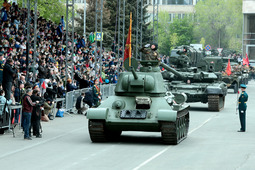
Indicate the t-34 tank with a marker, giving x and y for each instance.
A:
(141, 103)
(199, 86)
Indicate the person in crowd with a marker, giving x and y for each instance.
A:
(242, 108)
(4, 15)
(96, 94)
(27, 108)
(1, 67)
(60, 90)
(9, 74)
(48, 106)
(50, 92)
(4, 103)
(18, 94)
(70, 86)
(36, 113)
(80, 105)
(62, 21)
(82, 80)
(42, 72)
(7, 5)
(60, 93)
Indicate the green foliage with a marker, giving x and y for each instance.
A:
(49, 9)
(110, 24)
(218, 21)
(179, 32)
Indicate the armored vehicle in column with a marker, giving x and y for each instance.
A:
(199, 86)
(141, 103)
(239, 74)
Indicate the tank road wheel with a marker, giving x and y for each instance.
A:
(174, 132)
(97, 130)
(235, 88)
(215, 102)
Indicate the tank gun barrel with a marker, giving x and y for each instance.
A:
(134, 73)
(171, 70)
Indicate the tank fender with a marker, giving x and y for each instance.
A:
(167, 115)
(97, 113)
(214, 90)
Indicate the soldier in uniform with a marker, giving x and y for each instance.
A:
(96, 94)
(150, 52)
(242, 107)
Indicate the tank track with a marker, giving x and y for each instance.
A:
(174, 132)
(97, 130)
(215, 102)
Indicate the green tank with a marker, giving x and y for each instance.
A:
(199, 86)
(219, 64)
(141, 103)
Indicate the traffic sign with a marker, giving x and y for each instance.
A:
(207, 47)
(99, 36)
(219, 50)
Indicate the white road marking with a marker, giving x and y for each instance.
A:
(164, 150)
(39, 143)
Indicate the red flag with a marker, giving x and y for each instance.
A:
(246, 60)
(127, 53)
(228, 70)
(100, 80)
(43, 85)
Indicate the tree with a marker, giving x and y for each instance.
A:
(49, 9)
(218, 21)
(179, 32)
(90, 20)
(110, 24)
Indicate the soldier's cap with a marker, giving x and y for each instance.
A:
(243, 86)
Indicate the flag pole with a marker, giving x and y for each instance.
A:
(130, 37)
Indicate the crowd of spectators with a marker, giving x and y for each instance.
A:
(23, 69)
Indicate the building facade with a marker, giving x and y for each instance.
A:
(249, 28)
(175, 8)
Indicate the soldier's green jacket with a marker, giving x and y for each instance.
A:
(149, 54)
(242, 101)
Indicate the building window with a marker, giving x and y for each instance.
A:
(179, 16)
(180, 2)
(164, 2)
(170, 17)
(171, 2)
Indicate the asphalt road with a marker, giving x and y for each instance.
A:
(213, 143)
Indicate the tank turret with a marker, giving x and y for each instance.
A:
(193, 76)
(141, 103)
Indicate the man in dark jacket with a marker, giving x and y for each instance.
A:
(27, 108)
(9, 74)
(80, 105)
(50, 92)
(36, 113)
(42, 72)
(83, 82)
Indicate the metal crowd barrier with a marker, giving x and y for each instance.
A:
(71, 97)
(107, 90)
